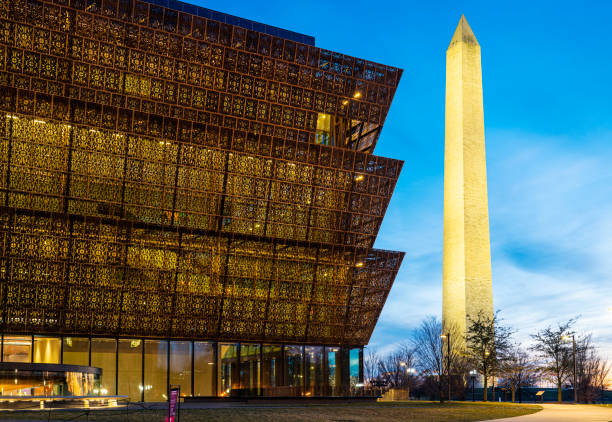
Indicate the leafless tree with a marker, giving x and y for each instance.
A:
(487, 342)
(592, 371)
(517, 369)
(555, 352)
(395, 367)
(370, 366)
(428, 352)
(433, 355)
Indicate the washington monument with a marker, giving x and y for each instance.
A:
(467, 287)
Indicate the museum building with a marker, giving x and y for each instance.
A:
(186, 198)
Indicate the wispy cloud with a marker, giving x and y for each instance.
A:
(550, 206)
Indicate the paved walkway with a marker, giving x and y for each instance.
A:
(566, 413)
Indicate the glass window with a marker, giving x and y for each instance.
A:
(103, 356)
(293, 370)
(338, 371)
(228, 379)
(250, 363)
(129, 378)
(331, 371)
(180, 366)
(47, 349)
(354, 378)
(323, 133)
(315, 369)
(76, 351)
(272, 375)
(156, 370)
(17, 349)
(204, 368)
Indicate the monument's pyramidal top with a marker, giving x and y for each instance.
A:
(463, 33)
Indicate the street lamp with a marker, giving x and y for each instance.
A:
(410, 372)
(484, 374)
(566, 338)
(448, 362)
(473, 376)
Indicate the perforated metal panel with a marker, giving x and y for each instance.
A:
(164, 181)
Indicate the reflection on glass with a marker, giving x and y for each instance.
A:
(17, 349)
(48, 383)
(228, 378)
(293, 370)
(250, 381)
(47, 349)
(103, 355)
(315, 369)
(76, 351)
(337, 367)
(354, 368)
(272, 376)
(204, 368)
(331, 370)
(180, 365)
(156, 370)
(130, 369)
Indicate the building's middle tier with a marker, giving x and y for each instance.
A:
(205, 178)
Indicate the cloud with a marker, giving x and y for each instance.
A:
(550, 207)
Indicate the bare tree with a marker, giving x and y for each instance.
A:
(555, 353)
(517, 369)
(592, 371)
(394, 367)
(370, 366)
(487, 342)
(428, 351)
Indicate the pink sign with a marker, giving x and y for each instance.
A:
(173, 399)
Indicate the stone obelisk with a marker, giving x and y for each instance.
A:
(467, 286)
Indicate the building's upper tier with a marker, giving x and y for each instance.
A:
(152, 58)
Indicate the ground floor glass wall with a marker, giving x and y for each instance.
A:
(142, 369)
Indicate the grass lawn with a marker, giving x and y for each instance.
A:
(394, 411)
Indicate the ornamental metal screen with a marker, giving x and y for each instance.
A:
(161, 175)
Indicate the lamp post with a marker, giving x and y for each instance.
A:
(574, 358)
(484, 375)
(448, 362)
(473, 376)
(410, 372)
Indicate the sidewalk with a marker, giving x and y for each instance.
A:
(566, 413)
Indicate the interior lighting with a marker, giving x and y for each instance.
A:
(39, 121)
(359, 264)
(10, 116)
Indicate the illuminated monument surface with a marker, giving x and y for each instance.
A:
(467, 285)
(188, 197)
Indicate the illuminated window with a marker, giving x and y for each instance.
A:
(17, 349)
(47, 349)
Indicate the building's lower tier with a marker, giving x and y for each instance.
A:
(143, 368)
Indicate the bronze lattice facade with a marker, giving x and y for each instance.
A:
(166, 175)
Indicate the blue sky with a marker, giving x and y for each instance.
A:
(547, 68)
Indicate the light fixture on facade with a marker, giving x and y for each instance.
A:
(357, 94)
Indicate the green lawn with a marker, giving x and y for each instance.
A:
(393, 411)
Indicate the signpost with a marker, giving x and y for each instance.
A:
(174, 400)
